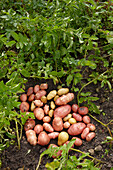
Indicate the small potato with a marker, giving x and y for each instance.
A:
(31, 97)
(56, 97)
(23, 97)
(76, 128)
(63, 91)
(78, 141)
(52, 105)
(29, 91)
(44, 86)
(83, 110)
(75, 108)
(67, 117)
(38, 103)
(53, 135)
(29, 124)
(36, 88)
(46, 109)
(90, 136)
(66, 125)
(51, 112)
(44, 99)
(91, 126)
(57, 124)
(51, 94)
(39, 113)
(72, 121)
(43, 138)
(33, 106)
(64, 99)
(24, 107)
(31, 137)
(86, 119)
(77, 117)
(62, 138)
(85, 133)
(46, 119)
(39, 94)
(48, 127)
(38, 128)
(62, 111)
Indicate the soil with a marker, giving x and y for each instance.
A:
(28, 156)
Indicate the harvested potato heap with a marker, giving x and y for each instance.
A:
(60, 119)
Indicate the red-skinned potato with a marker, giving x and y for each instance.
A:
(43, 138)
(58, 153)
(46, 109)
(23, 97)
(66, 125)
(77, 117)
(83, 110)
(36, 88)
(38, 103)
(38, 128)
(64, 99)
(29, 91)
(31, 97)
(91, 126)
(39, 113)
(39, 94)
(76, 129)
(48, 127)
(29, 124)
(75, 108)
(85, 133)
(31, 137)
(46, 119)
(78, 141)
(24, 107)
(44, 86)
(53, 135)
(62, 111)
(90, 136)
(57, 124)
(86, 119)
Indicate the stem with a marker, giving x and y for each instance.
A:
(18, 139)
(39, 162)
(76, 150)
(88, 84)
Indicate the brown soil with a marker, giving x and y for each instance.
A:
(28, 156)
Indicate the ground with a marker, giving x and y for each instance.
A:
(27, 157)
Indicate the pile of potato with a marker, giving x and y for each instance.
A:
(60, 119)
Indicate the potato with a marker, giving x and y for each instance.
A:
(90, 136)
(86, 119)
(62, 111)
(31, 137)
(29, 91)
(85, 133)
(23, 97)
(76, 128)
(51, 113)
(53, 135)
(29, 124)
(57, 124)
(51, 94)
(36, 88)
(24, 107)
(38, 103)
(91, 126)
(31, 97)
(75, 108)
(63, 91)
(44, 86)
(39, 94)
(38, 128)
(48, 127)
(33, 106)
(52, 105)
(77, 117)
(83, 110)
(43, 138)
(44, 99)
(78, 141)
(46, 109)
(62, 138)
(67, 117)
(39, 113)
(72, 121)
(56, 97)
(64, 99)
(66, 125)
(46, 119)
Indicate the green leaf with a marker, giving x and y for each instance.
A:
(25, 73)
(15, 36)
(69, 79)
(85, 94)
(52, 165)
(10, 43)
